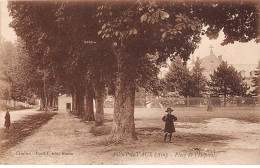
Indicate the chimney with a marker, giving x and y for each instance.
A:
(220, 57)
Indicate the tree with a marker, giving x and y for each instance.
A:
(161, 87)
(37, 63)
(6, 52)
(131, 30)
(256, 81)
(135, 29)
(170, 29)
(30, 77)
(9, 67)
(227, 81)
(16, 72)
(198, 79)
(67, 48)
(179, 78)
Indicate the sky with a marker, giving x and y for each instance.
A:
(6, 31)
(237, 53)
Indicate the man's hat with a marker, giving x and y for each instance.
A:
(169, 109)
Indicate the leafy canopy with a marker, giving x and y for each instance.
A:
(227, 81)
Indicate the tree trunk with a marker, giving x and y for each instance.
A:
(210, 108)
(74, 103)
(123, 128)
(55, 101)
(80, 102)
(187, 101)
(42, 103)
(123, 123)
(225, 101)
(48, 101)
(225, 96)
(89, 112)
(100, 98)
(51, 100)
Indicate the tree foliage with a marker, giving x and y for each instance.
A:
(7, 51)
(227, 81)
(123, 42)
(256, 81)
(179, 78)
(187, 83)
(198, 79)
(10, 73)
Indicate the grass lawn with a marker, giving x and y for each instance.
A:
(196, 115)
(153, 117)
(149, 124)
(192, 131)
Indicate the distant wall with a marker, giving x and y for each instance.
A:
(62, 102)
(13, 105)
(154, 102)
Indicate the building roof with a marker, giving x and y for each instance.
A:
(210, 63)
(210, 58)
(247, 68)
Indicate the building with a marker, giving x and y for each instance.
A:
(247, 71)
(64, 103)
(209, 63)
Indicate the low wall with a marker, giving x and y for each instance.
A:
(189, 102)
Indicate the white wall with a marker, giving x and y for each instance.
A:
(62, 102)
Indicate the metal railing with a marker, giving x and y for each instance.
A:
(153, 102)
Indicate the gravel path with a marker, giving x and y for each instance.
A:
(65, 139)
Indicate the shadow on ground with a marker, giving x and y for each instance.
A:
(148, 135)
(152, 134)
(19, 130)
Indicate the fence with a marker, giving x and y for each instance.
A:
(4, 104)
(154, 102)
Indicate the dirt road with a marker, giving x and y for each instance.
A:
(67, 140)
(16, 115)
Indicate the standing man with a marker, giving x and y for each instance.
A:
(169, 125)
(7, 120)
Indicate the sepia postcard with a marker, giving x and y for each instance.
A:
(134, 82)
